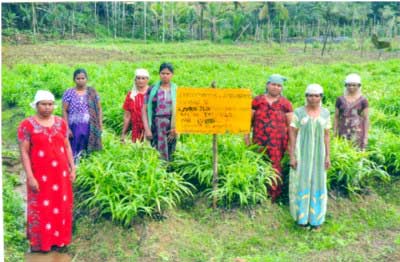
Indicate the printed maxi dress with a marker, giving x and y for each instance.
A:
(78, 120)
(270, 130)
(161, 123)
(307, 184)
(49, 210)
(351, 123)
(134, 106)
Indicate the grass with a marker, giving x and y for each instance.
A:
(267, 233)
(14, 219)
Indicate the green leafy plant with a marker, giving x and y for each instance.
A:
(15, 242)
(351, 169)
(243, 172)
(125, 181)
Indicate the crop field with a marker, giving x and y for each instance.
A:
(131, 206)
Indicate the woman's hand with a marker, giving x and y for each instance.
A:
(69, 133)
(72, 175)
(293, 162)
(247, 140)
(123, 138)
(33, 184)
(148, 135)
(171, 135)
(327, 162)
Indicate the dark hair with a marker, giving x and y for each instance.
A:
(80, 71)
(168, 66)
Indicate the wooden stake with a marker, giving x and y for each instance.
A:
(215, 163)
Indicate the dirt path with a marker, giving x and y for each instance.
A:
(70, 55)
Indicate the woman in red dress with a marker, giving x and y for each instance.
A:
(49, 166)
(133, 106)
(271, 116)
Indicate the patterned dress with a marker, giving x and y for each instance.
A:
(351, 124)
(50, 209)
(270, 131)
(78, 120)
(161, 123)
(135, 108)
(307, 184)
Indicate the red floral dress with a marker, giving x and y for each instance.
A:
(50, 209)
(270, 130)
(135, 108)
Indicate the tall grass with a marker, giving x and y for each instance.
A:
(15, 243)
(125, 181)
(385, 150)
(352, 170)
(243, 172)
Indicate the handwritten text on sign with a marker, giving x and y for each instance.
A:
(213, 111)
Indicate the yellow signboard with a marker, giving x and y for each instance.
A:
(213, 111)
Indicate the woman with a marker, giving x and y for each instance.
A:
(82, 112)
(271, 115)
(309, 160)
(159, 115)
(351, 115)
(49, 166)
(133, 106)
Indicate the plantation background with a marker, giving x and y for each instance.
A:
(128, 207)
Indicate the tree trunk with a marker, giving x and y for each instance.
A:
(108, 19)
(243, 30)
(201, 22)
(133, 23)
(73, 20)
(95, 19)
(123, 19)
(144, 21)
(325, 38)
(114, 14)
(34, 19)
(172, 22)
(163, 22)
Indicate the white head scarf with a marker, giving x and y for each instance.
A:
(314, 89)
(138, 72)
(353, 79)
(42, 95)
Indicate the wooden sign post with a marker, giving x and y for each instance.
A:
(213, 111)
(215, 162)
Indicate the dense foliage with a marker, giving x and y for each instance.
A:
(243, 172)
(124, 181)
(216, 21)
(14, 220)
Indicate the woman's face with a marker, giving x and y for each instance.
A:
(274, 89)
(352, 87)
(45, 108)
(314, 99)
(165, 75)
(80, 80)
(141, 81)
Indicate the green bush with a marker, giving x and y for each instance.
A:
(352, 170)
(243, 172)
(385, 150)
(15, 243)
(125, 181)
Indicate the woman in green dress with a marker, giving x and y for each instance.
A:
(309, 160)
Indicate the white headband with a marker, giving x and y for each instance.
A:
(40, 96)
(142, 72)
(315, 89)
(353, 78)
